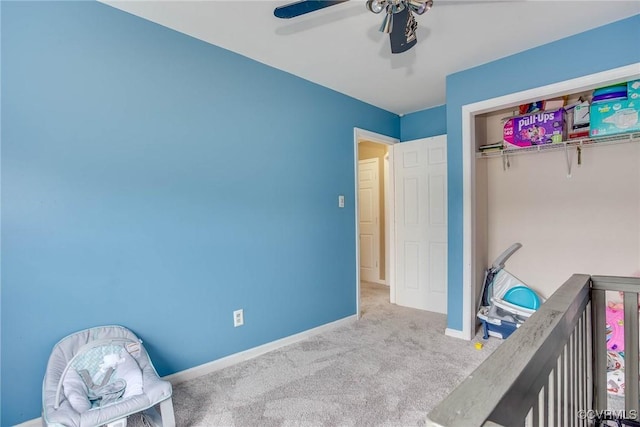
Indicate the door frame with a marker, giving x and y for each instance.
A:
(376, 240)
(470, 265)
(365, 135)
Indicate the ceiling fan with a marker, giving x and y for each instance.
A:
(398, 22)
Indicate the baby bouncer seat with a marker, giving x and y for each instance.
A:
(506, 302)
(100, 376)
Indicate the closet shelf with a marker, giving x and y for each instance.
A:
(583, 142)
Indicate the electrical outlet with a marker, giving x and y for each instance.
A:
(238, 318)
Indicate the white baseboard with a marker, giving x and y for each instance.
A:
(198, 371)
(454, 333)
(36, 422)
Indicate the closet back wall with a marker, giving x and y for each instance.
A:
(587, 223)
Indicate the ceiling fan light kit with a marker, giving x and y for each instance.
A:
(375, 6)
(402, 38)
(420, 7)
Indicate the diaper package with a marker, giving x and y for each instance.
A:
(615, 117)
(543, 127)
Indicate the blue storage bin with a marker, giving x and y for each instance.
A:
(496, 328)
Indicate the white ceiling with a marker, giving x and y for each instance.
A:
(340, 47)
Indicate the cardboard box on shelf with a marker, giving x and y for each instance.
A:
(581, 115)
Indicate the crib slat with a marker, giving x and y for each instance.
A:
(598, 304)
(586, 362)
(547, 404)
(569, 385)
(631, 348)
(564, 412)
(535, 412)
(572, 376)
(589, 359)
(556, 397)
(580, 367)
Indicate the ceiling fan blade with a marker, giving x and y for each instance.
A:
(301, 7)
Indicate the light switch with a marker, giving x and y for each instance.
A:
(341, 201)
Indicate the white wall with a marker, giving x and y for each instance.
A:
(589, 223)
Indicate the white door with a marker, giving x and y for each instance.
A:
(369, 213)
(420, 168)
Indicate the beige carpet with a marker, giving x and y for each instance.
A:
(389, 368)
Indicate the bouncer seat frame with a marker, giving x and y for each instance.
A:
(506, 302)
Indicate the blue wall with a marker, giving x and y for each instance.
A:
(155, 181)
(586, 53)
(424, 123)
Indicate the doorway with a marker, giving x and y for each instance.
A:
(367, 146)
(414, 189)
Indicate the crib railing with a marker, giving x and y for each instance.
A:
(546, 372)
